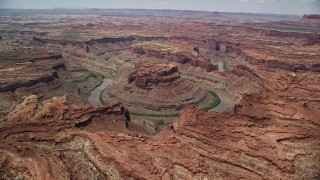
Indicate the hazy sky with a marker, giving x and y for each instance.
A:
(256, 6)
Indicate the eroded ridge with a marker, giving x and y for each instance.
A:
(149, 73)
(176, 51)
(59, 140)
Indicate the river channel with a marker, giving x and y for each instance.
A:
(94, 97)
(227, 100)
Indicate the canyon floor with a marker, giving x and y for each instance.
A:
(159, 95)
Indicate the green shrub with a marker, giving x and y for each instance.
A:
(102, 100)
(226, 65)
(213, 104)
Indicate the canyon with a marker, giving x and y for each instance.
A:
(177, 95)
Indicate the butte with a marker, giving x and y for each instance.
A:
(157, 89)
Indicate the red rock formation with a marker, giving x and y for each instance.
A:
(176, 51)
(81, 45)
(275, 58)
(47, 71)
(58, 140)
(313, 18)
(147, 72)
(158, 89)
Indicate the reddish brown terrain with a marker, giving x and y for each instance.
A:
(174, 51)
(189, 98)
(157, 88)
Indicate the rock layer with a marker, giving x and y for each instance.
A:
(63, 141)
(157, 88)
(176, 51)
(149, 73)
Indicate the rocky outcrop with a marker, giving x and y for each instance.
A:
(58, 110)
(311, 18)
(60, 42)
(15, 54)
(147, 73)
(70, 141)
(282, 62)
(14, 86)
(233, 49)
(112, 40)
(209, 43)
(56, 57)
(273, 33)
(20, 34)
(283, 65)
(253, 139)
(46, 72)
(23, 32)
(157, 89)
(181, 52)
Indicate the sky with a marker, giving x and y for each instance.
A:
(298, 7)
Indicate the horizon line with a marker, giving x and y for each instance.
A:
(239, 12)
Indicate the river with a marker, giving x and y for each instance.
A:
(94, 97)
(227, 101)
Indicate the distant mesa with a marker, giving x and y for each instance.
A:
(311, 16)
(315, 18)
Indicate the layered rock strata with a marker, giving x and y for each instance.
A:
(157, 88)
(313, 18)
(27, 77)
(148, 73)
(176, 51)
(59, 140)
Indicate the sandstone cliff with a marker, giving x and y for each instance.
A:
(157, 89)
(59, 140)
(176, 51)
(147, 72)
